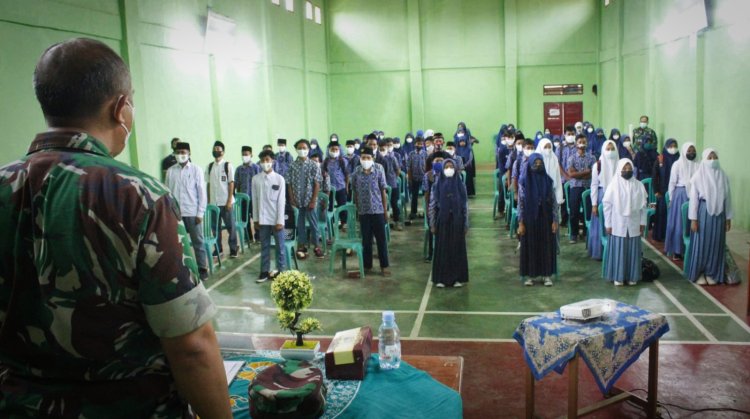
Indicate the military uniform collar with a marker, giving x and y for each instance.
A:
(68, 139)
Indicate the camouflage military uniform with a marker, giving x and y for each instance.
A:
(95, 267)
(639, 134)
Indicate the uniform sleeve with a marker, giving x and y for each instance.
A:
(175, 302)
(202, 197)
(594, 185)
(673, 179)
(230, 169)
(432, 208)
(693, 203)
(281, 202)
(607, 208)
(255, 186)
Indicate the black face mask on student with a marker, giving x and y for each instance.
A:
(690, 156)
(537, 168)
(627, 174)
(216, 154)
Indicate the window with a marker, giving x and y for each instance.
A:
(276, 2)
(308, 10)
(289, 5)
(318, 15)
(563, 89)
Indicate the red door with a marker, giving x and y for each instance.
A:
(558, 115)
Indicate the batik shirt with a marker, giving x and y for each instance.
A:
(338, 172)
(390, 164)
(416, 164)
(282, 163)
(580, 163)
(96, 268)
(301, 178)
(243, 178)
(368, 189)
(352, 162)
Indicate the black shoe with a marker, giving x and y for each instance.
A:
(263, 277)
(233, 255)
(203, 274)
(427, 260)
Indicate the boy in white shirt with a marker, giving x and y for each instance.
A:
(269, 192)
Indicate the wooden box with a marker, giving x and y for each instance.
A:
(348, 354)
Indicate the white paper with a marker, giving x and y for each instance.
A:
(232, 368)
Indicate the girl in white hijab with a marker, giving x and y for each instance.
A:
(679, 186)
(602, 174)
(551, 165)
(710, 214)
(624, 206)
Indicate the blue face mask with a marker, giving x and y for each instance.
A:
(437, 167)
(648, 146)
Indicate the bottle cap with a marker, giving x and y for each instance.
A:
(388, 316)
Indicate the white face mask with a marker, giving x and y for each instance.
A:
(460, 136)
(350, 150)
(127, 131)
(356, 146)
(644, 124)
(390, 148)
(266, 166)
(335, 154)
(367, 164)
(547, 151)
(714, 164)
(519, 148)
(282, 148)
(397, 146)
(570, 139)
(334, 139)
(556, 144)
(616, 137)
(449, 172)
(626, 143)
(303, 152)
(527, 153)
(590, 130)
(430, 148)
(247, 159)
(509, 142)
(612, 154)
(451, 152)
(409, 139)
(672, 150)
(313, 146)
(182, 158)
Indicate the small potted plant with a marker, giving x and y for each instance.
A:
(292, 292)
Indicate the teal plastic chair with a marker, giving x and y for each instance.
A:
(425, 242)
(685, 237)
(650, 212)
(241, 218)
(329, 214)
(566, 188)
(586, 212)
(666, 199)
(322, 211)
(210, 242)
(351, 241)
(403, 190)
(513, 216)
(508, 199)
(496, 194)
(388, 192)
(290, 243)
(605, 239)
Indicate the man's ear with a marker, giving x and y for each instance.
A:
(118, 110)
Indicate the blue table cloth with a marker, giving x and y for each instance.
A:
(608, 345)
(405, 392)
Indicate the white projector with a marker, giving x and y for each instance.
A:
(586, 310)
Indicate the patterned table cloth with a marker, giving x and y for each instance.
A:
(405, 392)
(608, 345)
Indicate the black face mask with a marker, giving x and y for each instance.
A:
(216, 154)
(537, 169)
(690, 156)
(627, 174)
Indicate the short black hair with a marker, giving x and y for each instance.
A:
(75, 78)
(570, 128)
(528, 141)
(371, 137)
(579, 136)
(266, 153)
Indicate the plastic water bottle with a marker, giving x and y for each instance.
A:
(389, 342)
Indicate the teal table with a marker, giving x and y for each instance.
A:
(406, 392)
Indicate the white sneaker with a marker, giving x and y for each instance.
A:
(701, 280)
(618, 283)
(547, 281)
(529, 282)
(458, 285)
(710, 280)
(631, 283)
(440, 285)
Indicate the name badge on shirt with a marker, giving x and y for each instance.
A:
(223, 178)
(275, 187)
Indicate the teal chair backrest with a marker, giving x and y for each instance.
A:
(323, 207)
(351, 220)
(586, 196)
(685, 221)
(241, 216)
(649, 184)
(210, 223)
(496, 179)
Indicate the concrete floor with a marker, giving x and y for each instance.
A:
(706, 351)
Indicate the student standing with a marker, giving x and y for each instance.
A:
(465, 152)
(283, 158)
(220, 175)
(537, 222)
(169, 160)
(268, 213)
(567, 149)
(415, 175)
(579, 171)
(679, 187)
(449, 222)
(710, 213)
(303, 184)
(660, 182)
(368, 187)
(392, 171)
(624, 207)
(315, 150)
(433, 168)
(243, 180)
(602, 174)
(335, 166)
(185, 180)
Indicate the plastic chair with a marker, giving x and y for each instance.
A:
(241, 218)
(322, 211)
(586, 213)
(566, 188)
(508, 198)
(290, 243)
(403, 189)
(513, 216)
(425, 242)
(351, 241)
(388, 192)
(650, 212)
(496, 194)
(685, 237)
(210, 226)
(605, 238)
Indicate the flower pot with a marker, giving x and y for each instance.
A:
(306, 352)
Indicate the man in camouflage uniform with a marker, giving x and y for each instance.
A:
(101, 311)
(641, 133)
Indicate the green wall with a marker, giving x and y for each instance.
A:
(692, 85)
(270, 82)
